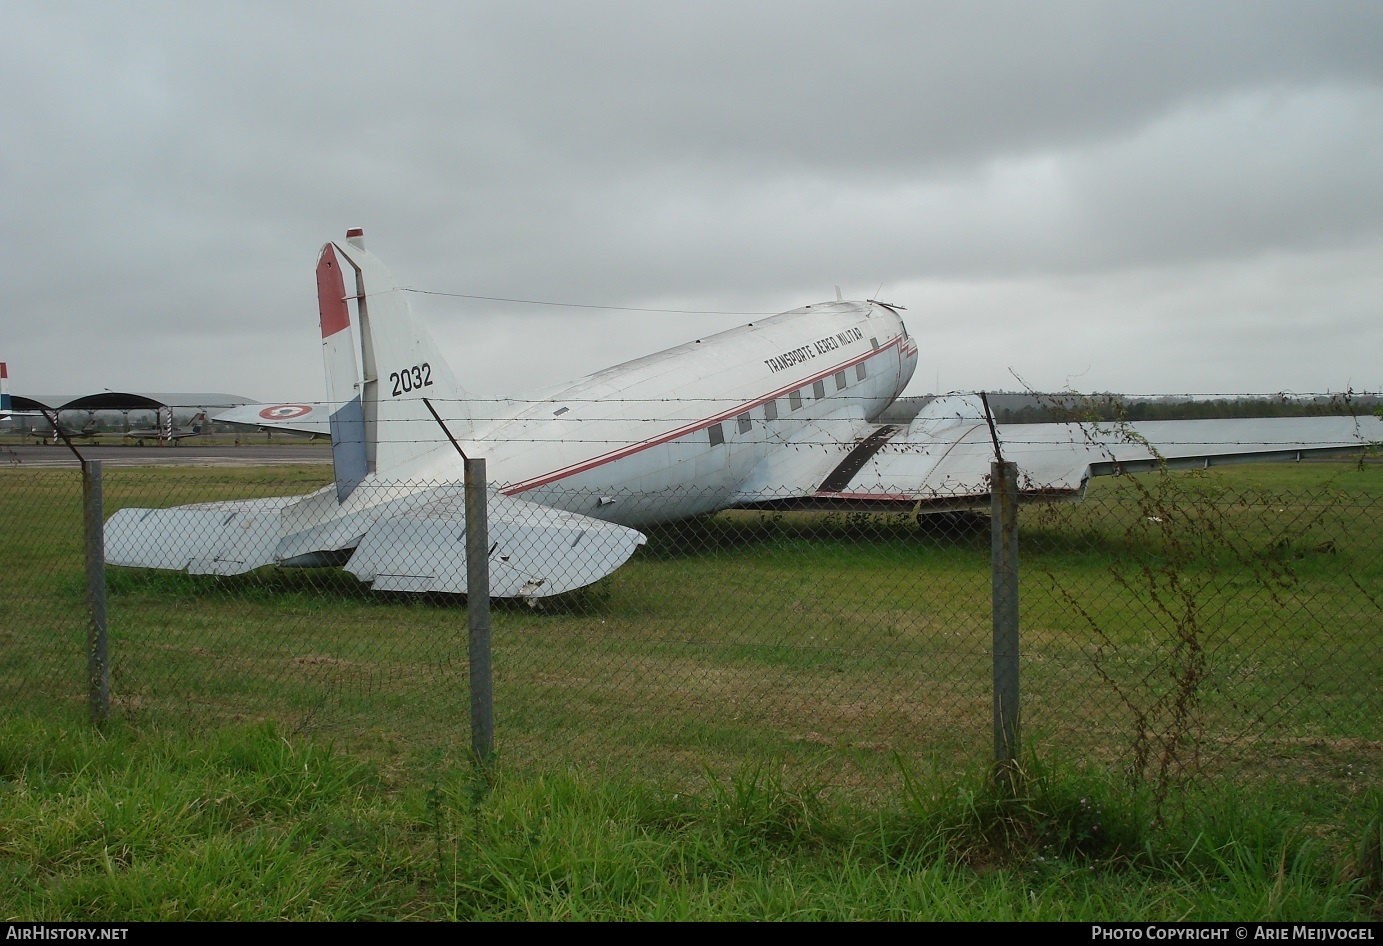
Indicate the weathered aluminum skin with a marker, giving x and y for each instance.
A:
(777, 412)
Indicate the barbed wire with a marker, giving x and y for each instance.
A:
(577, 305)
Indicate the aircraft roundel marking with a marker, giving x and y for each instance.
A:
(285, 411)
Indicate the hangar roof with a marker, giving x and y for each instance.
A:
(126, 400)
(19, 402)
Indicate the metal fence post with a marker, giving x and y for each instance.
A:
(1004, 561)
(97, 659)
(478, 613)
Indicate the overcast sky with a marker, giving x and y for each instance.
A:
(1138, 197)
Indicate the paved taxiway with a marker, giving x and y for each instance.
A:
(28, 456)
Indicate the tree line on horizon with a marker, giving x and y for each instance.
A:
(1041, 409)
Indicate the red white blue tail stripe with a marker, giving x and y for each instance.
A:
(348, 447)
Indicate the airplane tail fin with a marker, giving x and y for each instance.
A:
(380, 364)
(4, 392)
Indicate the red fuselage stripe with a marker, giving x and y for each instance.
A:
(693, 427)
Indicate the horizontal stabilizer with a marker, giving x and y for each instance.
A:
(535, 551)
(299, 418)
(411, 540)
(208, 539)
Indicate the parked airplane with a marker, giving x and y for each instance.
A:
(775, 413)
(87, 431)
(163, 430)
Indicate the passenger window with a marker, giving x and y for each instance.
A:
(819, 389)
(745, 422)
(771, 410)
(840, 380)
(859, 371)
(717, 434)
(795, 400)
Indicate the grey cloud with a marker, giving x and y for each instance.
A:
(171, 169)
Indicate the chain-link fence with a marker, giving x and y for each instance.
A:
(1169, 624)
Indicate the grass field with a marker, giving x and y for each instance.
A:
(1217, 634)
(1237, 612)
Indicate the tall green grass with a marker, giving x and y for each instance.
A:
(250, 824)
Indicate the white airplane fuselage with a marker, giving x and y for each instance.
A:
(777, 411)
(571, 475)
(677, 433)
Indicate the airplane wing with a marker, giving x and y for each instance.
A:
(300, 418)
(411, 540)
(384, 372)
(941, 460)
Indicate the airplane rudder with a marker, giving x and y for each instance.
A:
(405, 363)
(349, 450)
